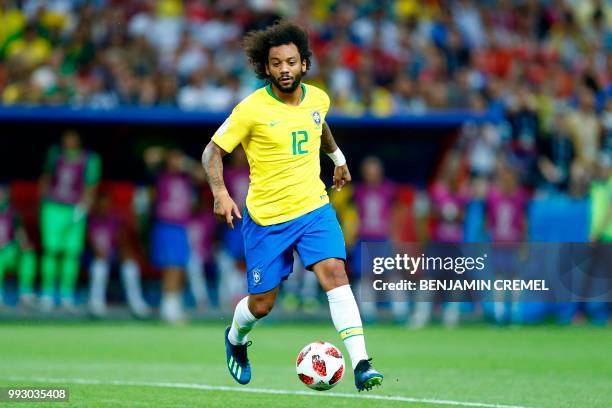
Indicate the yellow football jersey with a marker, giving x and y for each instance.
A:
(282, 145)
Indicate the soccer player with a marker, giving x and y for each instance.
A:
(374, 199)
(170, 243)
(15, 250)
(282, 129)
(70, 177)
(201, 233)
(448, 199)
(506, 210)
(107, 237)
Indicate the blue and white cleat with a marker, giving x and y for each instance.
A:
(366, 376)
(237, 360)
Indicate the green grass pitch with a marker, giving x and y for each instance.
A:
(149, 364)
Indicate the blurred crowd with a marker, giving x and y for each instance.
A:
(383, 57)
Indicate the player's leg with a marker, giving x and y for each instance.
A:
(131, 279)
(195, 278)
(53, 219)
(424, 299)
(98, 282)
(74, 241)
(27, 272)
(171, 309)
(346, 318)
(8, 256)
(248, 311)
(269, 259)
(322, 249)
(170, 252)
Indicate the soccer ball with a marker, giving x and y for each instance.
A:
(320, 366)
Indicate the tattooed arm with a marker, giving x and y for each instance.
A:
(224, 207)
(329, 146)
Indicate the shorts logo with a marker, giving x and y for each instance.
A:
(256, 276)
(316, 116)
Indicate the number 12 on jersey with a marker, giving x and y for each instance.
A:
(299, 138)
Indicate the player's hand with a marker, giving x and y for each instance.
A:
(342, 175)
(225, 208)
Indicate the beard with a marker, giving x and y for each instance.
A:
(287, 89)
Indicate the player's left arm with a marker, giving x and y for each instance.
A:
(342, 175)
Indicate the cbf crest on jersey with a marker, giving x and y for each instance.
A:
(256, 276)
(316, 116)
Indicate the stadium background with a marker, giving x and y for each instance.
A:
(454, 94)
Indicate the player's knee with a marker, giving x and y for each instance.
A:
(261, 307)
(334, 273)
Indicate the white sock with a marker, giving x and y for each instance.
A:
(99, 280)
(171, 308)
(242, 324)
(345, 315)
(130, 274)
(195, 277)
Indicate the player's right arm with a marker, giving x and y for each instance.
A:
(224, 206)
(235, 128)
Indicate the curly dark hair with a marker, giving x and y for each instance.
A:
(257, 44)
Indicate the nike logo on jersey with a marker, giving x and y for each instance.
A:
(274, 123)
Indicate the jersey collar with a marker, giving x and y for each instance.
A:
(269, 90)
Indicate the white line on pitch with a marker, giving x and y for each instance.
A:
(206, 387)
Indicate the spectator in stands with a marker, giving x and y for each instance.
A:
(525, 125)
(362, 51)
(557, 156)
(585, 130)
(32, 49)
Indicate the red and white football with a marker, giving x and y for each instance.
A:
(320, 366)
